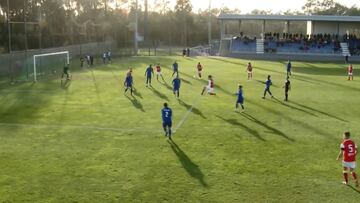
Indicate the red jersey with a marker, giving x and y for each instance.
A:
(158, 69)
(211, 83)
(199, 67)
(249, 68)
(350, 69)
(349, 149)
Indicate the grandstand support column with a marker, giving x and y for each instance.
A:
(287, 26)
(209, 23)
(263, 29)
(222, 29)
(136, 29)
(239, 27)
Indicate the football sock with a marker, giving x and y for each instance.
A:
(345, 176)
(354, 175)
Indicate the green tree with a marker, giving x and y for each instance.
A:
(183, 10)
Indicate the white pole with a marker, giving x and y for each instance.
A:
(35, 69)
(68, 58)
(136, 29)
(209, 23)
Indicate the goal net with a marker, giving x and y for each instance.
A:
(49, 64)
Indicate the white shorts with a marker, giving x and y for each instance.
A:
(209, 89)
(158, 73)
(249, 72)
(199, 71)
(350, 74)
(349, 164)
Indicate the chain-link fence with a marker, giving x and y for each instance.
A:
(19, 66)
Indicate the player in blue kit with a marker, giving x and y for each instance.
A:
(175, 68)
(268, 83)
(129, 83)
(166, 114)
(240, 99)
(288, 69)
(176, 84)
(149, 73)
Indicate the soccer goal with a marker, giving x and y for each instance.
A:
(49, 64)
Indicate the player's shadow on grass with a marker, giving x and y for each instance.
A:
(136, 103)
(65, 85)
(273, 130)
(293, 107)
(234, 122)
(318, 111)
(191, 168)
(159, 94)
(137, 93)
(192, 108)
(355, 189)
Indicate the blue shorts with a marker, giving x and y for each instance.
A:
(176, 89)
(240, 101)
(167, 124)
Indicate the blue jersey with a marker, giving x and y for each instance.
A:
(129, 80)
(289, 66)
(166, 114)
(240, 95)
(268, 83)
(176, 83)
(148, 72)
(175, 67)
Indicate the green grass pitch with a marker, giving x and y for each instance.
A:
(88, 142)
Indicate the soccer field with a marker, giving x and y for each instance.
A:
(88, 142)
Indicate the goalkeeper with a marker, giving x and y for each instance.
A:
(66, 72)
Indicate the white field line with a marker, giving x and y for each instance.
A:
(186, 115)
(83, 127)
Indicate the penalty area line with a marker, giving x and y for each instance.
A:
(185, 117)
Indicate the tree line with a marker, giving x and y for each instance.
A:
(52, 23)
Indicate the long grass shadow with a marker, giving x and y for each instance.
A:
(292, 107)
(318, 111)
(273, 130)
(159, 94)
(318, 131)
(185, 81)
(136, 103)
(165, 84)
(191, 168)
(234, 122)
(193, 109)
(97, 89)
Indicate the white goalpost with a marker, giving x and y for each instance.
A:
(35, 57)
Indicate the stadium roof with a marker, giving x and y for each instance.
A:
(290, 17)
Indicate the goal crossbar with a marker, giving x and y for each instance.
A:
(49, 54)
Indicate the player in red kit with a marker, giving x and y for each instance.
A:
(249, 70)
(350, 72)
(199, 69)
(158, 72)
(348, 150)
(209, 87)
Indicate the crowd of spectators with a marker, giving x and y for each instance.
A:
(353, 43)
(304, 42)
(330, 42)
